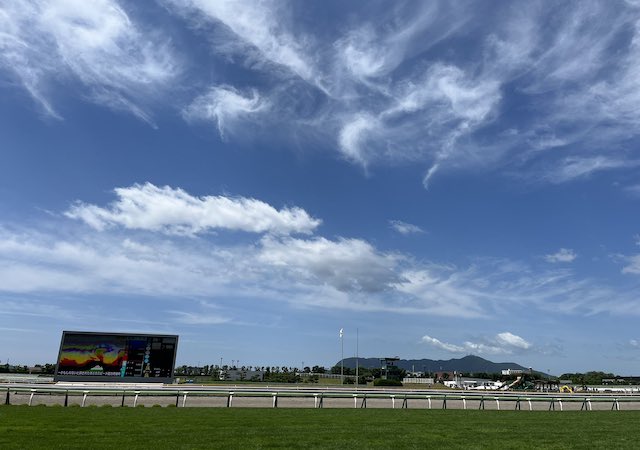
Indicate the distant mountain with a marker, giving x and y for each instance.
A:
(467, 364)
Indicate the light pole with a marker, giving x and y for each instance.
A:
(341, 356)
(357, 360)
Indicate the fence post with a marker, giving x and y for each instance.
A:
(355, 400)
(530, 407)
(123, 394)
(177, 398)
(444, 402)
(497, 403)
(481, 405)
(429, 400)
(84, 397)
(393, 401)
(364, 401)
(275, 399)
(184, 399)
(7, 400)
(405, 404)
(33, 391)
(135, 399)
(615, 405)
(66, 398)
(464, 403)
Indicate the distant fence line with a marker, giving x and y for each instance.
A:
(127, 396)
(332, 376)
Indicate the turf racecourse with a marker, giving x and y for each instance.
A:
(23, 427)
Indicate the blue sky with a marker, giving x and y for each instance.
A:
(448, 178)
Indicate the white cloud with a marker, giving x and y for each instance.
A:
(582, 167)
(633, 265)
(225, 106)
(432, 83)
(503, 343)
(564, 255)
(119, 65)
(633, 190)
(428, 84)
(258, 24)
(405, 228)
(375, 49)
(354, 134)
(191, 318)
(442, 345)
(347, 264)
(511, 340)
(312, 272)
(345, 274)
(430, 173)
(174, 211)
(443, 291)
(423, 118)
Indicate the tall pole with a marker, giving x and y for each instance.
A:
(341, 356)
(357, 363)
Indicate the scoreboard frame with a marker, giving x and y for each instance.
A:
(102, 343)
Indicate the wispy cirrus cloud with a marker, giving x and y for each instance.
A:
(259, 25)
(436, 84)
(442, 85)
(197, 318)
(543, 94)
(226, 107)
(577, 167)
(632, 265)
(633, 190)
(564, 255)
(404, 227)
(118, 64)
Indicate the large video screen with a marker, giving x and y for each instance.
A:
(86, 356)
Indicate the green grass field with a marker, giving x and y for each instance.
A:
(23, 427)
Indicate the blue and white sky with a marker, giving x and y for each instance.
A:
(447, 178)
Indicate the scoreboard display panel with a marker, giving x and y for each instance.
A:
(109, 357)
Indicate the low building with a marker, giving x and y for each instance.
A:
(512, 372)
(418, 380)
(241, 375)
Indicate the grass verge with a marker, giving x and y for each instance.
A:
(193, 428)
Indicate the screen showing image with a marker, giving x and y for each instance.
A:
(116, 356)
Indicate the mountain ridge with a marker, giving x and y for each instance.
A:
(469, 364)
